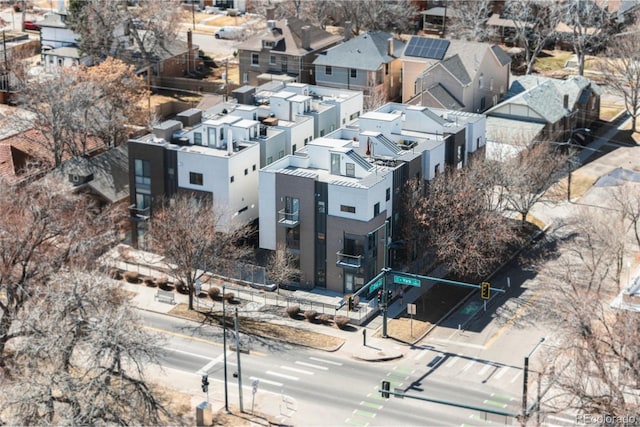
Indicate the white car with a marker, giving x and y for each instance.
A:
(230, 33)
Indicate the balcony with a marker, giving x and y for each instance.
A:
(348, 261)
(288, 219)
(141, 214)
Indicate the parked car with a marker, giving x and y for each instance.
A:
(230, 33)
(31, 25)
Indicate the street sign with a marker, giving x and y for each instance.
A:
(375, 285)
(401, 280)
(411, 309)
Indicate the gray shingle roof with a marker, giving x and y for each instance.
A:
(368, 51)
(455, 66)
(442, 95)
(502, 56)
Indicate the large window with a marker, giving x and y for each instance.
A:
(195, 178)
(255, 59)
(272, 59)
(328, 70)
(292, 208)
(349, 209)
(350, 169)
(143, 173)
(354, 73)
(284, 65)
(197, 138)
(335, 164)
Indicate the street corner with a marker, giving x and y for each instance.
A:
(374, 354)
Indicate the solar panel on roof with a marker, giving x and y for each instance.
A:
(425, 47)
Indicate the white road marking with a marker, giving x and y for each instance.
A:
(262, 380)
(276, 374)
(468, 365)
(452, 362)
(515, 377)
(186, 352)
(484, 369)
(205, 369)
(501, 372)
(422, 354)
(310, 365)
(331, 362)
(300, 371)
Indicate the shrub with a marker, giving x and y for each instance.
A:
(228, 296)
(341, 321)
(114, 273)
(310, 315)
(149, 281)
(324, 318)
(293, 311)
(162, 282)
(182, 287)
(132, 276)
(214, 292)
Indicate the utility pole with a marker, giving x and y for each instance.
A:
(525, 380)
(224, 351)
(238, 361)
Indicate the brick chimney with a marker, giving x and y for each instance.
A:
(271, 13)
(190, 60)
(390, 46)
(347, 30)
(306, 37)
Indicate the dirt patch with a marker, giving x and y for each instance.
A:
(264, 329)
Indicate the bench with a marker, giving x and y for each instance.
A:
(165, 296)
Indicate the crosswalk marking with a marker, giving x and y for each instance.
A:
(468, 365)
(262, 380)
(422, 354)
(311, 365)
(356, 422)
(300, 371)
(330, 362)
(501, 372)
(484, 369)
(371, 405)
(276, 374)
(453, 361)
(515, 377)
(362, 413)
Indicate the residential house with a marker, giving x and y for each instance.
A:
(176, 58)
(543, 109)
(284, 51)
(214, 155)
(454, 74)
(369, 63)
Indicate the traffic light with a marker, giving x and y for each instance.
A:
(205, 383)
(349, 303)
(485, 290)
(385, 389)
(379, 297)
(389, 295)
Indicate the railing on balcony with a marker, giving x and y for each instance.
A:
(348, 261)
(288, 219)
(139, 213)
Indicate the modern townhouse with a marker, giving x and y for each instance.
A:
(324, 204)
(211, 155)
(330, 108)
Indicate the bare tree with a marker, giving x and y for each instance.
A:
(535, 23)
(526, 176)
(193, 237)
(82, 107)
(106, 27)
(467, 235)
(282, 268)
(82, 357)
(44, 229)
(377, 15)
(594, 367)
(589, 24)
(468, 19)
(621, 70)
(626, 198)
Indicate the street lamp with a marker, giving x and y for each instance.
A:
(525, 379)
